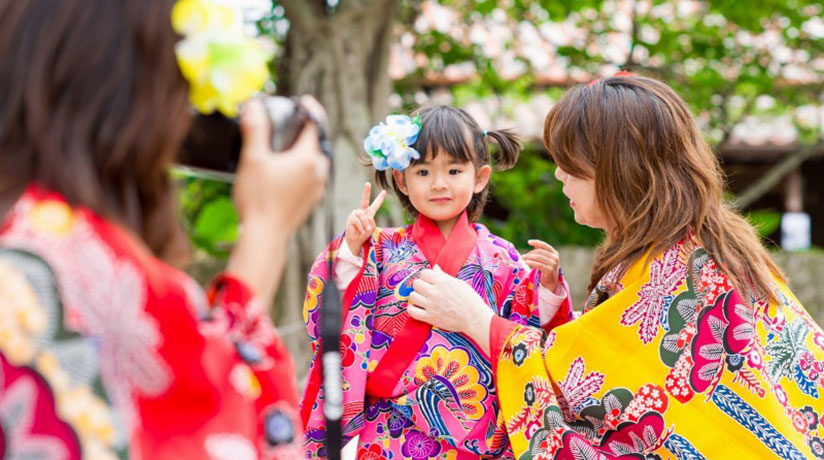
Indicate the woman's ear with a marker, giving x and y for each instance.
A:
(400, 181)
(482, 178)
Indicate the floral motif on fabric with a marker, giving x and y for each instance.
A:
(537, 396)
(444, 404)
(751, 363)
(448, 372)
(229, 446)
(605, 288)
(666, 273)
(526, 343)
(92, 279)
(24, 398)
(371, 452)
(90, 339)
(712, 282)
(418, 446)
(708, 332)
(60, 371)
(577, 388)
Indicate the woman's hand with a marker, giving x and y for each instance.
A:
(278, 190)
(450, 304)
(361, 221)
(273, 193)
(545, 258)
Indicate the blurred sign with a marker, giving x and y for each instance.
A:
(795, 231)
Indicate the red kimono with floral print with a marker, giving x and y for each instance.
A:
(107, 352)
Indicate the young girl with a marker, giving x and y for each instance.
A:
(410, 391)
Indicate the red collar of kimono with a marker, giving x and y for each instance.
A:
(448, 253)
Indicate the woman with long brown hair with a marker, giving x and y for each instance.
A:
(690, 344)
(106, 350)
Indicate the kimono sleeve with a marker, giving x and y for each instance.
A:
(522, 303)
(530, 407)
(232, 378)
(356, 338)
(259, 345)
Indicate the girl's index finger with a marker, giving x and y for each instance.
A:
(538, 244)
(367, 191)
(373, 208)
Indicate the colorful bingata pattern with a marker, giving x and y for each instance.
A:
(670, 361)
(107, 353)
(412, 392)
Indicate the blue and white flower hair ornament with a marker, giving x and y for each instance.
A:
(389, 144)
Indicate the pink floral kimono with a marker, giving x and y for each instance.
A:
(412, 391)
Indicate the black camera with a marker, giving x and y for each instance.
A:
(212, 146)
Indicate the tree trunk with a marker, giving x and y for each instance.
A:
(342, 60)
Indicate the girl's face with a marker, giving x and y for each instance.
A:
(582, 200)
(441, 187)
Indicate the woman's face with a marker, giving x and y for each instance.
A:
(581, 194)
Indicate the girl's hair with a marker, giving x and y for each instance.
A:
(93, 106)
(455, 132)
(656, 179)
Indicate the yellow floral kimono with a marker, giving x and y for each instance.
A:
(667, 362)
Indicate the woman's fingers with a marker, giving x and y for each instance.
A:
(446, 302)
(432, 276)
(314, 107)
(417, 299)
(418, 313)
(254, 127)
(421, 287)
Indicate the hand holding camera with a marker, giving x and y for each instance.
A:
(281, 188)
(274, 193)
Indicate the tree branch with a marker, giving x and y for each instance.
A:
(775, 174)
(633, 38)
(301, 13)
(731, 124)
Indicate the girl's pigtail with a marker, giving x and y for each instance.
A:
(510, 147)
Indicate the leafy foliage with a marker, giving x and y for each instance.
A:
(732, 62)
(209, 216)
(766, 221)
(533, 205)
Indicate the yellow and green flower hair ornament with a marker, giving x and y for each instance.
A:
(222, 65)
(390, 144)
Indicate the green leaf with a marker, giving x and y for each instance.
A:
(527, 202)
(766, 221)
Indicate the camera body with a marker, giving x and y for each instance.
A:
(212, 146)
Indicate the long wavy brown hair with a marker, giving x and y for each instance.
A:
(655, 177)
(93, 106)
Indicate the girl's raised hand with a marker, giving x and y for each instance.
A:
(545, 258)
(361, 221)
